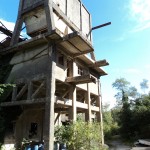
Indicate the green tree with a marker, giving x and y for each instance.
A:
(144, 85)
(125, 117)
(4, 90)
(110, 125)
(120, 85)
(134, 115)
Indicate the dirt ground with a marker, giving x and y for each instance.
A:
(117, 144)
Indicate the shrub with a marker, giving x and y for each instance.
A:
(80, 136)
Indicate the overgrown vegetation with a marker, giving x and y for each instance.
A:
(5, 89)
(132, 113)
(110, 125)
(80, 136)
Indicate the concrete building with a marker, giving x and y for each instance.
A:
(55, 71)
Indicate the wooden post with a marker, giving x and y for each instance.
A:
(48, 134)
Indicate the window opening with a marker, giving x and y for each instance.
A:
(80, 70)
(33, 129)
(61, 59)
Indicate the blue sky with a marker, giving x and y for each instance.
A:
(124, 44)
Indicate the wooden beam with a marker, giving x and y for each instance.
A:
(57, 117)
(99, 63)
(39, 88)
(23, 102)
(66, 92)
(81, 79)
(22, 91)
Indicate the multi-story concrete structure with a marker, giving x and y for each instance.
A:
(55, 71)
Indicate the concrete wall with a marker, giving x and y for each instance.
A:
(74, 10)
(23, 124)
(29, 63)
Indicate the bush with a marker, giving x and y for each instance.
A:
(80, 136)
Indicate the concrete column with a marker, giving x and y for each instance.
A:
(48, 130)
(88, 113)
(18, 25)
(72, 94)
(14, 93)
(30, 90)
(99, 114)
(73, 109)
(49, 15)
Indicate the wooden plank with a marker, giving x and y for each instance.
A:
(99, 63)
(80, 79)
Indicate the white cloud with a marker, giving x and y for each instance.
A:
(132, 71)
(127, 71)
(147, 66)
(139, 11)
(8, 25)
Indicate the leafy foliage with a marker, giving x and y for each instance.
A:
(4, 90)
(109, 124)
(80, 135)
(144, 85)
(134, 116)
